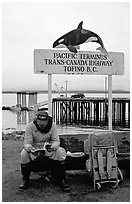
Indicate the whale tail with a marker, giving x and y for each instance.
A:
(103, 50)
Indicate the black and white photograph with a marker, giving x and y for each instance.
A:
(65, 101)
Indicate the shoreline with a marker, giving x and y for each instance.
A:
(69, 91)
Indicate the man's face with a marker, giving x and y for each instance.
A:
(42, 123)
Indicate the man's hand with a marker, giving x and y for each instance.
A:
(49, 148)
(33, 150)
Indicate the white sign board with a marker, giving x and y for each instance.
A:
(64, 62)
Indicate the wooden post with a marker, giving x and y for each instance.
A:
(105, 87)
(19, 99)
(97, 112)
(123, 113)
(30, 99)
(50, 94)
(110, 102)
(24, 102)
(35, 98)
(66, 88)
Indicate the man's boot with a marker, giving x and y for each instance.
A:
(26, 171)
(63, 183)
(59, 174)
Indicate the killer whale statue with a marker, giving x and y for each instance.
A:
(77, 37)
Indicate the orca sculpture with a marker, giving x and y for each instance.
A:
(78, 36)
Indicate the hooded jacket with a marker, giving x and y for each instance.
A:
(34, 137)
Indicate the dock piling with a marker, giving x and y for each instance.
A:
(90, 112)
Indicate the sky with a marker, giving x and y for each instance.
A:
(32, 25)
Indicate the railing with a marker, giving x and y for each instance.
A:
(91, 111)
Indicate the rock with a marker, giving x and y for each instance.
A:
(18, 136)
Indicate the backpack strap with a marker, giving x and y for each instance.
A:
(109, 163)
(100, 163)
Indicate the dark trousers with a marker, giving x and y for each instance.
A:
(42, 163)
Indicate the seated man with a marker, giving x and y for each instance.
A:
(38, 133)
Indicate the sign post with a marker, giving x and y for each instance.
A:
(110, 102)
(50, 94)
(50, 62)
(105, 87)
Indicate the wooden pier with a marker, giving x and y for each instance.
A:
(22, 99)
(91, 111)
(87, 111)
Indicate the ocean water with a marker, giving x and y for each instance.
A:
(17, 121)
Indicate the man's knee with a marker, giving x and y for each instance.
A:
(60, 154)
(25, 158)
